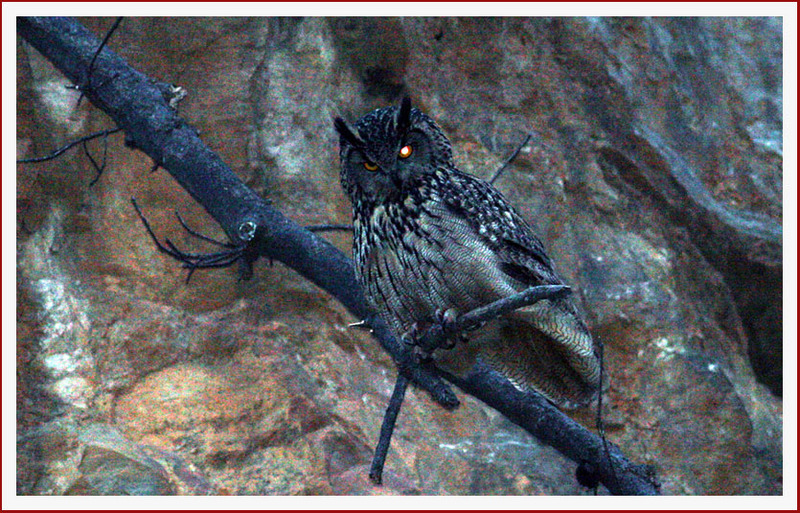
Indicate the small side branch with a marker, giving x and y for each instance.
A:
(436, 336)
(387, 428)
(98, 168)
(508, 304)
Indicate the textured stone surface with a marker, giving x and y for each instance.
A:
(654, 177)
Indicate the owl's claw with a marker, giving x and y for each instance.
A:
(447, 319)
(444, 321)
(410, 337)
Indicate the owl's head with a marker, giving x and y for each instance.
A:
(388, 150)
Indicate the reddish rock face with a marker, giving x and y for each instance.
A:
(654, 177)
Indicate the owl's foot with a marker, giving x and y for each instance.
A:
(415, 338)
(448, 319)
(411, 336)
(442, 333)
(439, 333)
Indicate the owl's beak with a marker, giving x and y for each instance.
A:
(399, 175)
(394, 173)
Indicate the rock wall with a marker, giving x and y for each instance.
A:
(654, 177)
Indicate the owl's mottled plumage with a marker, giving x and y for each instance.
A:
(430, 238)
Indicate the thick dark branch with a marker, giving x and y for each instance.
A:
(140, 106)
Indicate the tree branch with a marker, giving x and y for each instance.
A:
(509, 160)
(140, 106)
(539, 417)
(436, 336)
(57, 153)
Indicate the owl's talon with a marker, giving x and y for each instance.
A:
(411, 336)
(447, 319)
(422, 354)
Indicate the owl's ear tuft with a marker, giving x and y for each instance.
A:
(403, 120)
(347, 133)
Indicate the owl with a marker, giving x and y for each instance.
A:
(430, 239)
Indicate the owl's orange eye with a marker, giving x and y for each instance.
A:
(405, 152)
(369, 166)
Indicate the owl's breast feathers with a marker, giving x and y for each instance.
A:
(452, 241)
(413, 257)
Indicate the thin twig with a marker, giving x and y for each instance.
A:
(58, 152)
(200, 236)
(194, 261)
(509, 160)
(599, 417)
(99, 168)
(601, 430)
(90, 69)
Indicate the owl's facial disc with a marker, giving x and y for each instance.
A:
(389, 150)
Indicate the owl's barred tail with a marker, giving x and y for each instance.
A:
(547, 348)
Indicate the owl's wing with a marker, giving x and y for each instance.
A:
(521, 253)
(560, 359)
